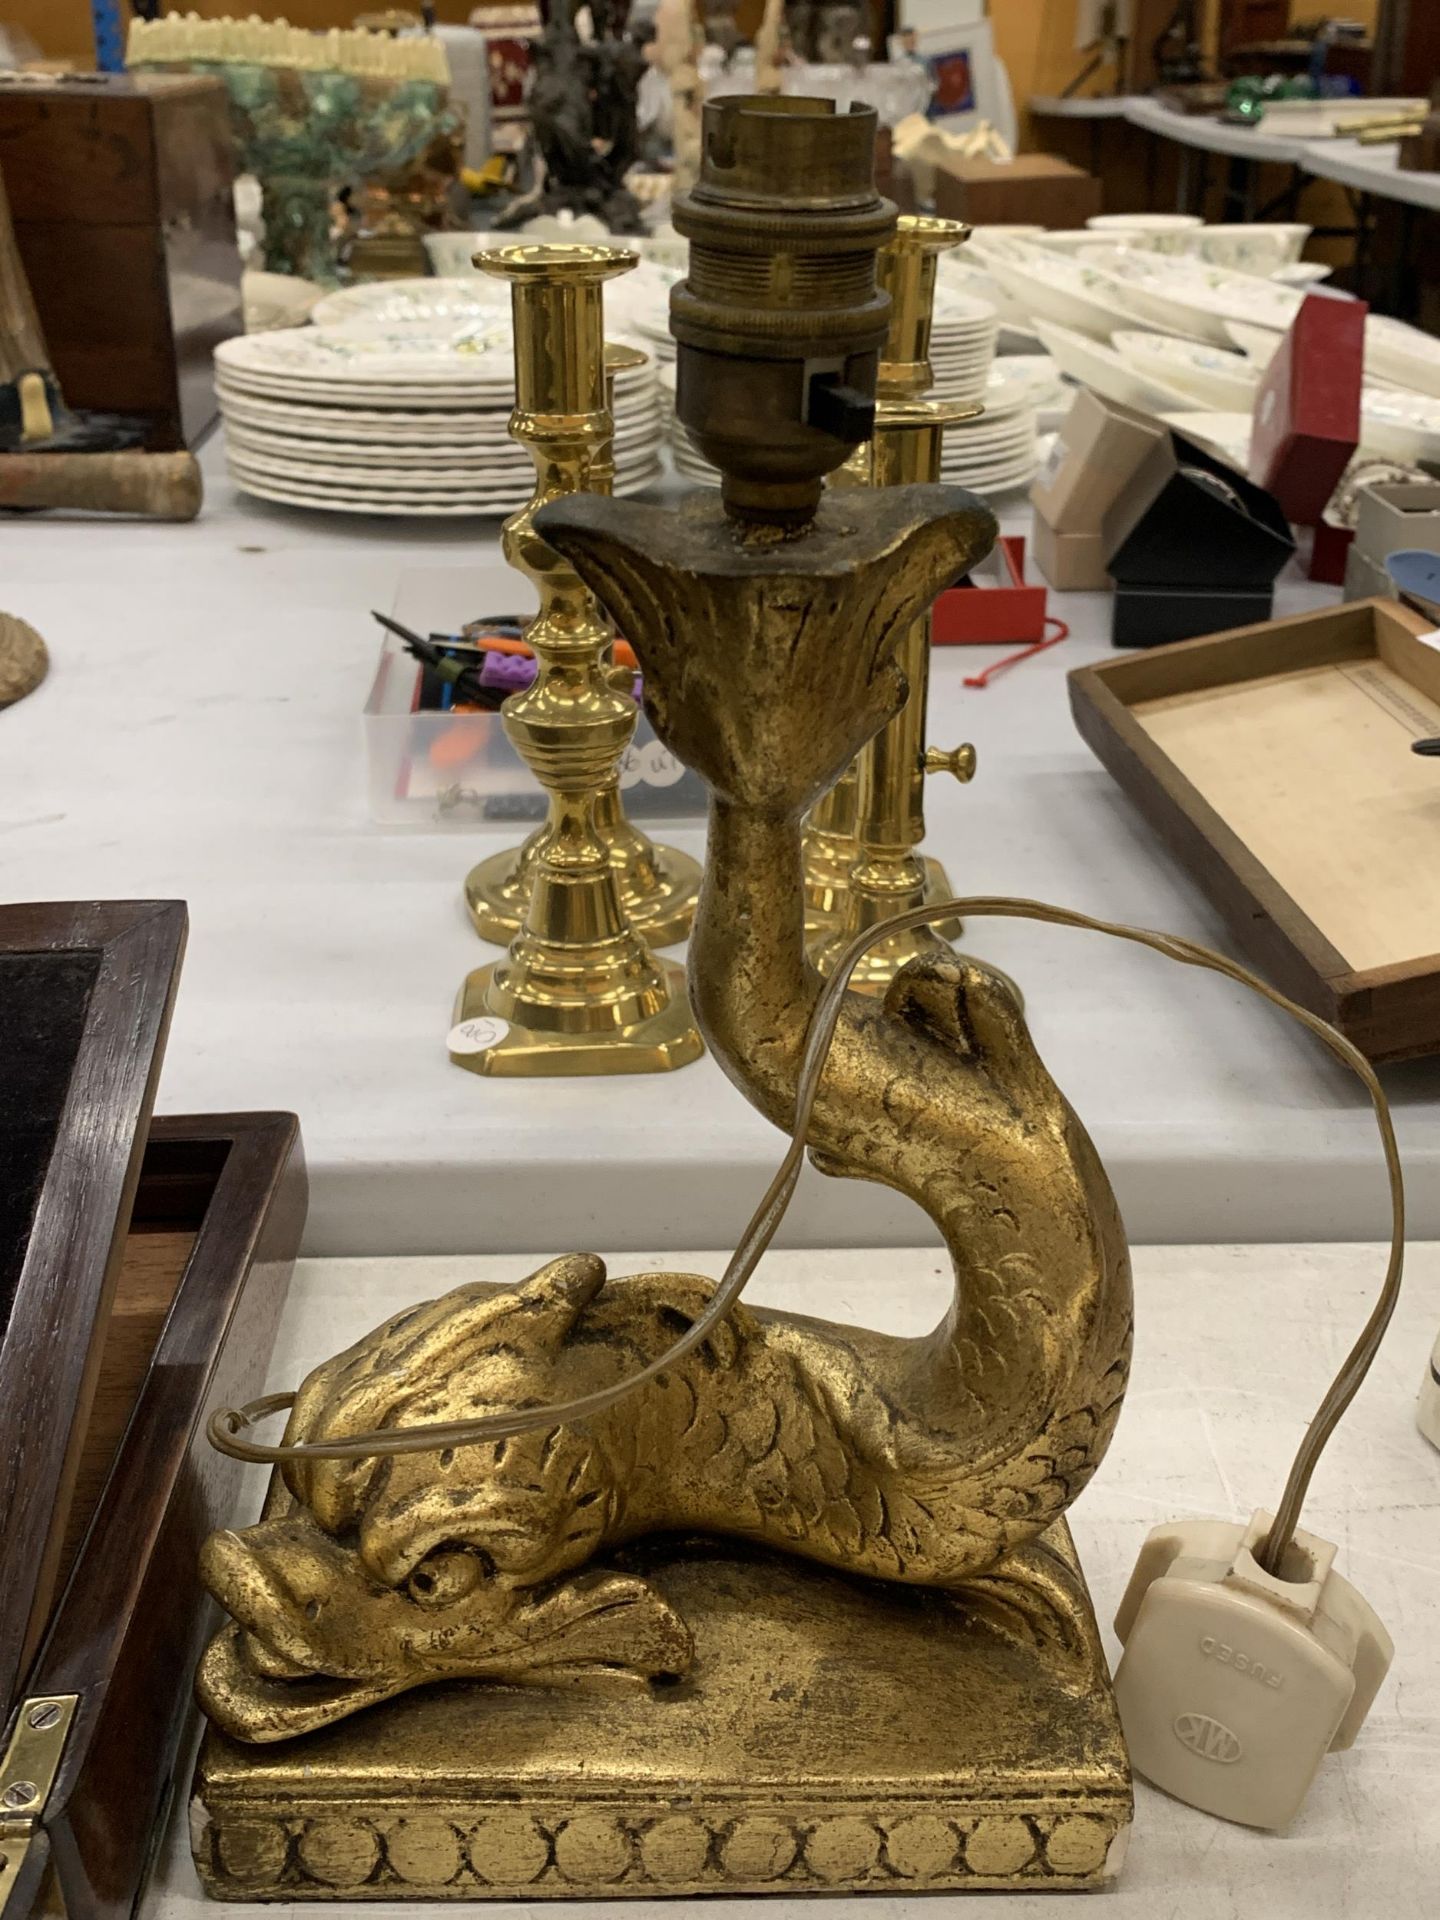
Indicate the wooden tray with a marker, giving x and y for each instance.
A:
(142, 1270)
(1275, 763)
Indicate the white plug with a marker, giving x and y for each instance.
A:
(1235, 1684)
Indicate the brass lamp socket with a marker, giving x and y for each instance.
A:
(780, 323)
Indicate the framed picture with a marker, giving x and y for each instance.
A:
(970, 83)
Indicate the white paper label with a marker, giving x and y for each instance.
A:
(652, 765)
(477, 1035)
(1430, 639)
(1058, 455)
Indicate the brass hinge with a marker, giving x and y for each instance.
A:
(27, 1775)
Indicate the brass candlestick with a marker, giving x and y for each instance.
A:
(579, 991)
(886, 874)
(658, 884)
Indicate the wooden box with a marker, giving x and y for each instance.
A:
(142, 1270)
(1033, 189)
(120, 190)
(1275, 763)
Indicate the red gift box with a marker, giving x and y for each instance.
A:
(982, 614)
(1307, 411)
(1330, 552)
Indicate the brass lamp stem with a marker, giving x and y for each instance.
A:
(579, 990)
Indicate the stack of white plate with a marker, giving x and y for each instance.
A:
(992, 453)
(962, 344)
(398, 402)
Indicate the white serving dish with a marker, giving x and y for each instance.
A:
(1402, 354)
(1227, 434)
(1400, 425)
(1215, 376)
(1186, 296)
(1096, 364)
(1301, 273)
(1258, 344)
(1067, 293)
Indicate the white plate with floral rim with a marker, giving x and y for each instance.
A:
(365, 423)
(469, 404)
(477, 352)
(409, 303)
(397, 505)
(471, 456)
(993, 480)
(1218, 377)
(1096, 364)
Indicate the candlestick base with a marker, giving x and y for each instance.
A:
(486, 1041)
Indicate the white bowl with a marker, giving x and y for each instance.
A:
(1164, 232)
(1080, 240)
(1153, 222)
(1258, 248)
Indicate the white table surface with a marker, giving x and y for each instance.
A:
(1213, 135)
(1371, 170)
(1233, 1348)
(199, 738)
(1100, 106)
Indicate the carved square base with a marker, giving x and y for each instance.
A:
(836, 1735)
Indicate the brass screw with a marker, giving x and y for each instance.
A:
(20, 1793)
(45, 1716)
(960, 761)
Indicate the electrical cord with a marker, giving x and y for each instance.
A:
(227, 1424)
(987, 674)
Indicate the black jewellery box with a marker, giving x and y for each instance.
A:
(1193, 545)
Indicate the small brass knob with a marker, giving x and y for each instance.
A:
(959, 760)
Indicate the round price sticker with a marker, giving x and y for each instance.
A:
(477, 1035)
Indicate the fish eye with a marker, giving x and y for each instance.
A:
(445, 1577)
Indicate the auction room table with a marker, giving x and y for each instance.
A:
(1372, 170)
(199, 738)
(1233, 1347)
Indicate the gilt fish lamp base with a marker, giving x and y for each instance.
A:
(596, 1586)
(917, 1763)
